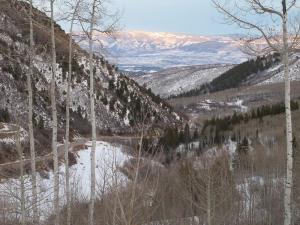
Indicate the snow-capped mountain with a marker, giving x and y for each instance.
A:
(138, 51)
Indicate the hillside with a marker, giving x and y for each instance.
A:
(201, 107)
(120, 102)
(179, 80)
(138, 51)
(259, 71)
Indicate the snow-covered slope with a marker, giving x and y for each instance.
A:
(260, 71)
(276, 73)
(152, 51)
(178, 80)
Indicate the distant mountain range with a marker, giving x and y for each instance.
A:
(138, 51)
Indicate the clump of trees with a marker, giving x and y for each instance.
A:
(170, 140)
(4, 115)
(226, 123)
(214, 131)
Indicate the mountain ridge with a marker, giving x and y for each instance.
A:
(139, 51)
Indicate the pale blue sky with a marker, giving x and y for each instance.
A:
(180, 16)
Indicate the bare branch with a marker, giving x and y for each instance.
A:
(245, 24)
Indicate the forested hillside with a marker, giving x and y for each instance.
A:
(235, 76)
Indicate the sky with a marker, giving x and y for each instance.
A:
(197, 17)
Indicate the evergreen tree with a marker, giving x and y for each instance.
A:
(243, 147)
(196, 134)
(187, 135)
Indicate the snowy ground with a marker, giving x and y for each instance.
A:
(108, 158)
(211, 107)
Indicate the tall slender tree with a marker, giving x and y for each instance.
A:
(22, 183)
(92, 20)
(30, 117)
(93, 118)
(54, 118)
(74, 9)
(278, 38)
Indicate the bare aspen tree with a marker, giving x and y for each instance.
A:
(93, 118)
(22, 183)
(92, 21)
(29, 75)
(54, 118)
(30, 115)
(281, 39)
(67, 137)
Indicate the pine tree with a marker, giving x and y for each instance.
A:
(187, 135)
(196, 134)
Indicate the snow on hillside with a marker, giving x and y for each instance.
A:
(8, 134)
(175, 81)
(109, 158)
(139, 51)
(279, 73)
(211, 105)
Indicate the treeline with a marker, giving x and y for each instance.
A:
(234, 77)
(170, 140)
(220, 125)
(214, 131)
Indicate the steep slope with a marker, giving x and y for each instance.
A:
(139, 51)
(178, 80)
(259, 71)
(120, 102)
(275, 73)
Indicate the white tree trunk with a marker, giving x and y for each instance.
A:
(22, 183)
(54, 121)
(93, 119)
(30, 122)
(208, 200)
(289, 134)
(69, 78)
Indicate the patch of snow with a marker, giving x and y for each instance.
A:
(239, 104)
(109, 158)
